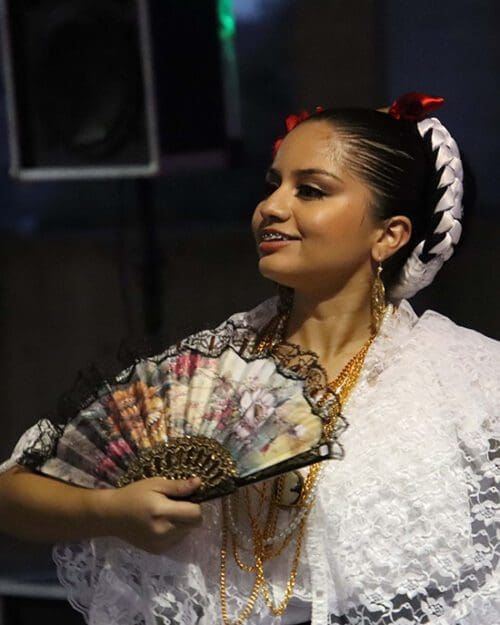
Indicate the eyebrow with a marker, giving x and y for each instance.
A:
(313, 170)
(306, 172)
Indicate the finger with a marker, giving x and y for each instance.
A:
(162, 528)
(176, 488)
(176, 512)
(173, 538)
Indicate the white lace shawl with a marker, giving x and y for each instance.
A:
(405, 529)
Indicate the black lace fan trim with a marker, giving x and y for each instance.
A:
(44, 445)
(291, 361)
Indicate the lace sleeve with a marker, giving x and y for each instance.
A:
(112, 582)
(479, 357)
(35, 446)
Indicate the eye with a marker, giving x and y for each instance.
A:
(307, 192)
(270, 187)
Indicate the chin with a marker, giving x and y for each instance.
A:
(283, 275)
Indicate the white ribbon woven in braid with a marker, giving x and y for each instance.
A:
(417, 274)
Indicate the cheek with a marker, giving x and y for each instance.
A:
(340, 226)
(346, 223)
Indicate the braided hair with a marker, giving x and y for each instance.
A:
(413, 169)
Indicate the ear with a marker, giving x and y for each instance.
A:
(394, 233)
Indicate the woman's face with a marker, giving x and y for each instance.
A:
(314, 230)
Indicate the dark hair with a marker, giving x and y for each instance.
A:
(398, 165)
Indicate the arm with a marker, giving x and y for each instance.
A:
(39, 508)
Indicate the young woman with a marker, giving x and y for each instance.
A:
(404, 528)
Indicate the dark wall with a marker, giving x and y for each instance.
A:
(336, 52)
(450, 48)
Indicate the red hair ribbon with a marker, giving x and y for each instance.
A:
(414, 106)
(294, 120)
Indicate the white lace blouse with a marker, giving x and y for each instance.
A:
(405, 529)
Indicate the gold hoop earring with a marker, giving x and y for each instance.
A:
(379, 304)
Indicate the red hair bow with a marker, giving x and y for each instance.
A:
(294, 120)
(414, 106)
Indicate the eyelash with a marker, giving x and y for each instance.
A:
(308, 192)
(270, 188)
(304, 191)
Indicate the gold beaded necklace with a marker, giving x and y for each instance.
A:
(263, 535)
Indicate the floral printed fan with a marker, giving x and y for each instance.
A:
(229, 420)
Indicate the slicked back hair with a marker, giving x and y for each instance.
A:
(396, 163)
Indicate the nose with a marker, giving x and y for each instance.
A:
(274, 207)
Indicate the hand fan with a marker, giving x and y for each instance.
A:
(230, 420)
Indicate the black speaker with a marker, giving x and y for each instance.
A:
(87, 99)
(196, 82)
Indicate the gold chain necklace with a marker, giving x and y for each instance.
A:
(347, 378)
(262, 548)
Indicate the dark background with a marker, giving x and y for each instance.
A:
(72, 280)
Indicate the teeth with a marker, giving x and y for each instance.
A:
(274, 236)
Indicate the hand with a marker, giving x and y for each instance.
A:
(143, 514)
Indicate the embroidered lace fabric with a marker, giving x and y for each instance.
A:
(405, 529)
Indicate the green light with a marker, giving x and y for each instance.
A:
(227, 24)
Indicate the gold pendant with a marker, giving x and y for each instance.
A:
(288, 489)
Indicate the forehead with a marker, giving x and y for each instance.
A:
(311, 145)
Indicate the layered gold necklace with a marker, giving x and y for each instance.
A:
(262, 513)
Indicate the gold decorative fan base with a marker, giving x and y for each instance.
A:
(184, 457)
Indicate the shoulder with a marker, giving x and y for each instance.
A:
(458, 341)
(439, 334)
(239, 328)
(462, 359)
(257, 317)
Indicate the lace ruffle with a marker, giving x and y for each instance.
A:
(35, 446)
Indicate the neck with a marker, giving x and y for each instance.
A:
(331, 326)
